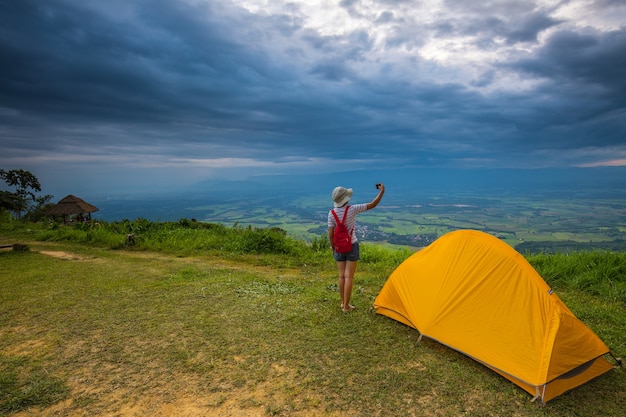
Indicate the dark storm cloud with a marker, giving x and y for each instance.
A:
(215, 80)
(162, 66)
(165, 67)
(582, 89)
(582, 60)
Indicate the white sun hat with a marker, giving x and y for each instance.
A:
(341, 196)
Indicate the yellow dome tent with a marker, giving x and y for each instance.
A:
(475, 294)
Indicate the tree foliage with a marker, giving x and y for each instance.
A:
(24, 199)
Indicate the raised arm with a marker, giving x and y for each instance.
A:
(376, 200)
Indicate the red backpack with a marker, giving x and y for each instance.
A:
(342, 239)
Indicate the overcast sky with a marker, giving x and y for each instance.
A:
(125, 94)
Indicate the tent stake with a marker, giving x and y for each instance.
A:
(618, 360)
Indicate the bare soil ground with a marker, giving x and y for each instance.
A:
(63, 255)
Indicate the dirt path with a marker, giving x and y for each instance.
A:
(63, 255)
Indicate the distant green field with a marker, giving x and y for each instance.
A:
(533, 223)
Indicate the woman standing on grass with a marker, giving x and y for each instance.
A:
(346, 262)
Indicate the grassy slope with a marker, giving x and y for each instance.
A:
(206, 333)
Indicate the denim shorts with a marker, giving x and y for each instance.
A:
(353, 255)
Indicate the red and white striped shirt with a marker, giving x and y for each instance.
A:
(350, 218)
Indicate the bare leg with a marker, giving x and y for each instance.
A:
(341, 268)
(348, 278)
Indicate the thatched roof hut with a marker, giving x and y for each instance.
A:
(71, 205)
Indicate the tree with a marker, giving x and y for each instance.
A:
(10, 201)
(24, 197)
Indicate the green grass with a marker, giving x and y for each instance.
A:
(24, 384)
(241, 321)
(598, 273)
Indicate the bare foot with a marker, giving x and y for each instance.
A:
(347, 309)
